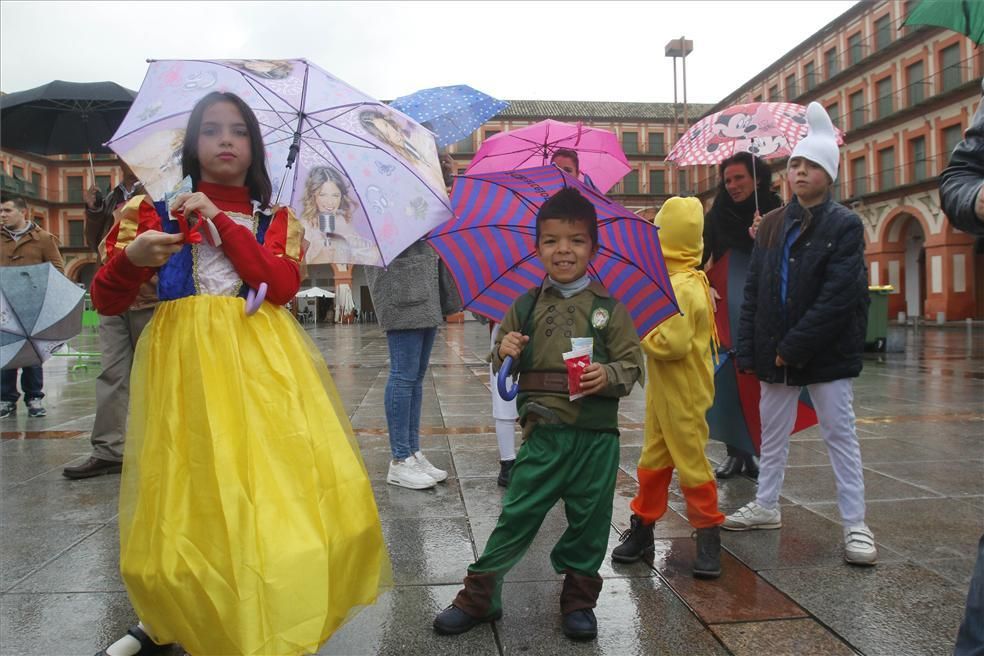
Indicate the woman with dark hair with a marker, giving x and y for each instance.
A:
(744, 196)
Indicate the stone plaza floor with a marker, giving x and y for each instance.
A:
(920, 422)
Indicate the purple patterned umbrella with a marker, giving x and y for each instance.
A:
(489, 245)
(363, 178)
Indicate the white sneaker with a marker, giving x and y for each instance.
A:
(859, 545)
(425, 466)
(752, 516)
(407, 473)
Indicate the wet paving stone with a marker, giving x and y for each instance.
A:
(636, 617)
(739, 595)
(401, 621)
(920, 421)
(781, 638)
(894, 608)
(805, 539)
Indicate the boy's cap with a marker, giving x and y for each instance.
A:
(681, 232)
(820, 143)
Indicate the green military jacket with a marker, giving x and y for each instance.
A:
(543, 396)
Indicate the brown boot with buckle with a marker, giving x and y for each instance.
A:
(93, 467)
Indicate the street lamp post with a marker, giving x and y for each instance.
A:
(679, 48)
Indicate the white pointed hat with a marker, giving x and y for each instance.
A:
(820, 143)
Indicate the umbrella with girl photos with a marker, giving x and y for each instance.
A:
(363, 178)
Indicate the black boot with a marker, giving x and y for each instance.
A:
(751, 466)
(637, 542)
(581, 624)
(505, 472)
(729, 467)
(707, 565)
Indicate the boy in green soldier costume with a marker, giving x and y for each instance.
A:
(570, 449)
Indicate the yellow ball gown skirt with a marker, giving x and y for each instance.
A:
(247, 520)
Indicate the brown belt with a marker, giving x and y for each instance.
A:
(543, 381)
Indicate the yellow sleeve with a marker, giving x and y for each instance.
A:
(673, 339)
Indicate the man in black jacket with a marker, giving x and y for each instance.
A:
(802, 325)
(962, 182)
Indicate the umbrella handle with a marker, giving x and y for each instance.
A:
(254, 298)
(502, 381)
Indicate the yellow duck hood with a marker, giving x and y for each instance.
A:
(681, 229)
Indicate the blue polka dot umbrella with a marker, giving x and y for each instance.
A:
(451, 113)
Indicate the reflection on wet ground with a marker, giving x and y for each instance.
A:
(920, 420)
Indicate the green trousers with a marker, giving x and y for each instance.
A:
(556, 462)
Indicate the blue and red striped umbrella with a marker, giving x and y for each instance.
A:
(490, 245)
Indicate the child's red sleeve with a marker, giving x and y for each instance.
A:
(118, 281)
(275, 262)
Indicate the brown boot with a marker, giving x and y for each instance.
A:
(471, 607)
(577, 601)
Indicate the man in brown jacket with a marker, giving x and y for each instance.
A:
(24, 243)
(118, 337)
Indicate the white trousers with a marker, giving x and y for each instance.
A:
(833, 404)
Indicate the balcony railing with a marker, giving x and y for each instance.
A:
(19, 187)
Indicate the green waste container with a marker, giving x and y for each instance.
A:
(877, 336)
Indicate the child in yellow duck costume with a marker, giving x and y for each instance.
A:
(680, 368)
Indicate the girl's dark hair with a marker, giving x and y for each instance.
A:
(568, 204)
(762, 173)
(257, 178)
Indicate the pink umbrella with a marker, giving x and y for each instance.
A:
(599, 152)
(764, 129)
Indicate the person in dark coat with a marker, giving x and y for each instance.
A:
(803, 325)
(962, 182)
(744, 196)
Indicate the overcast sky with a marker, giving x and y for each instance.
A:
(514, 50)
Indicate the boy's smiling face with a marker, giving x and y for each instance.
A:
(565, 248)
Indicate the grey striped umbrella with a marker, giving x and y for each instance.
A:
(40, 309)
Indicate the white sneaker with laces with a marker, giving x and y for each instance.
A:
(859, 545)
(406, 473)
(428, 468)
(753, 516)
(35, 409)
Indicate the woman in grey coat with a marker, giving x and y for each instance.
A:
(411, 299)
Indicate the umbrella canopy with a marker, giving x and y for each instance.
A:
(734, 416)
(451, 113)
(363, 178)
(40, 309)
(63, 117)
(963, 16)
(496, 216)
(315, 292)
(598, 151)
(764, 129)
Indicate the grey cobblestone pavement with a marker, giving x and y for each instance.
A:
(920, 420)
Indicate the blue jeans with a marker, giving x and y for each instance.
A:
(32, 380)
(409, 352)
(970, 638)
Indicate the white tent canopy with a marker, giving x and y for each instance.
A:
(315, 292)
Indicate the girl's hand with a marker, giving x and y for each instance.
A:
(153, 248)
(594, 379)
(512, 344)
(715, 297)
(188, 204)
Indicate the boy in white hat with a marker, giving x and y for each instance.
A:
(803, 325)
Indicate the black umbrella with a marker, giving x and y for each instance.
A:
(63, 117)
